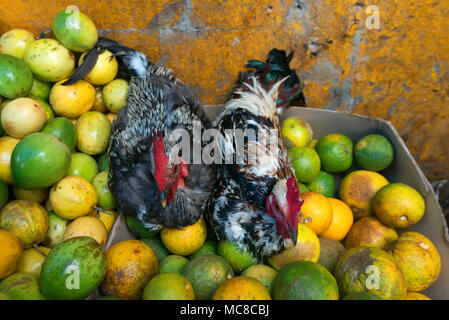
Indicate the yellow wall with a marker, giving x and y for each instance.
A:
(399, 72)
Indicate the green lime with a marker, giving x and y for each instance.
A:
(16, 78)
(21, 286)
(39, 160)
(75, 30)
(103, 162)
(296, 132)
(209, 247)
(306, 163)
(335, 151)
(158, 247)
(84, 166)
(206, 274)
(324, 183)
(136, 227)
(168, 286)
(305, 280)
(105, 198)
(238, 258)
(40, 90)
(173, 263)
(73, 269)
(302, 187)
(64, 129)
(374, 152)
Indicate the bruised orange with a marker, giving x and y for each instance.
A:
(418, 259)
(357, 190)
(131, 264)
(369, 231)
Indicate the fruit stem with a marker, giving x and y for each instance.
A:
(102, 210)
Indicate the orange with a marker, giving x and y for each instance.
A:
(186, 240)
(342, 220)
(317, 211)
(10, 252)
(357, 190)
(89, 227)
(131, 264)
(307, 249)
(418, 259)
(104, 70)
(398, 206)
(369, 231)
(73, 100)
(242, 288)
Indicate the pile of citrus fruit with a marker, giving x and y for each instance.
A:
(353, 230)
(56, 210)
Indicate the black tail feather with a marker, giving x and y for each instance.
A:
(89, 61)
(276, 68)
(134, 61)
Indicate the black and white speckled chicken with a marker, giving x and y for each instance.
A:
(149, 176)
(255, 202)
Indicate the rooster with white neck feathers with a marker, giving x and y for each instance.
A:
(255, 204)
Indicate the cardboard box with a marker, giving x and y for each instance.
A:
(404, 169)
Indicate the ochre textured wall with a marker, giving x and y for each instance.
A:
(399, 72)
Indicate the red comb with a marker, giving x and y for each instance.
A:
(160, 161)
(294, 204)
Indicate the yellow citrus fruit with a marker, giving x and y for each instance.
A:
(369, 231)
(7, 145)
(318, 210)
(107, 219)
(357, 190)
(370, 269)
(99, 102)
(418, 259)
(14, 42)
(342, 220)
(28, 220)
(10, 252)
(131, 264)
(104, 70)
(115, 95)
(23, 116)
(398, 206)
(88, 227)
(242, 288)
(72, 197)
(73, 100)
(296, 132)
(186, 240)
(416, 296)
(93, 129)
(307, 249)
(31, 261)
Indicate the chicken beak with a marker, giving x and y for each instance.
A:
(294, 236)
(163, 199)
